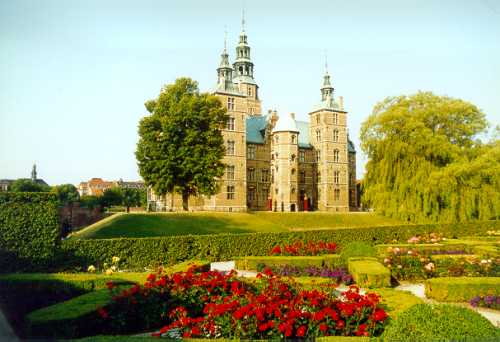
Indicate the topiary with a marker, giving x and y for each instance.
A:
(357, 249)
(442, 322)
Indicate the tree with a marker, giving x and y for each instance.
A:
(27, 185)
(130, 197)
(89, 201)
(426, 163)
(68, 195)
(180, 146)
(110, 197)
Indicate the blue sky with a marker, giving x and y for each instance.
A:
(74, 74)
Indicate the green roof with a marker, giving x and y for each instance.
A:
(350, 146)
(303, 127)
(256, 128)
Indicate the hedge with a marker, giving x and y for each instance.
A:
(461, 289)
(251, 263)
(423, 322)
(29, 230)
(23, 293)
(368, 272)
(137, 253)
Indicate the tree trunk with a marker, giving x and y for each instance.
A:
(128, 208)
(172, 201)
(185, 198)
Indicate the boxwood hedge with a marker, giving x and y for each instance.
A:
(137, 253)
(461, 289)
(29, 230)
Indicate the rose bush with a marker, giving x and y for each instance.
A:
(309, 248)
(213, 305)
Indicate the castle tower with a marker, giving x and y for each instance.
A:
(33, 173)
(328, 135)
(285, 164)
(232, 195)
(243, 69)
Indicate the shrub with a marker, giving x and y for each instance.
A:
(357, 249)
(423, 322)
(137, 253)
(368, 272)
(461, 289)
(309, 248)
(29, 230)
(252, 263)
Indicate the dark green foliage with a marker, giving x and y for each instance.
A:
(180, 146)
(66, 193)
(357, 249)
(141, 252)
(29, 230)
(27, 185)
(426, 163)
(131, 197)
(423, 322)
(89, 201)
(112, 196)
(257, 263)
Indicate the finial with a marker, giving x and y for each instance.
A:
(243, 20)
(326, 62)
(225, 37)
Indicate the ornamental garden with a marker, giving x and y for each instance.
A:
(401, 282)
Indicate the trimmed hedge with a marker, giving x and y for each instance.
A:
(423, 322)
(461, 289)
(29, 230)
(137, 253)
(368, 272)
(251, 263)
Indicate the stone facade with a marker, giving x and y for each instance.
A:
(275, 162)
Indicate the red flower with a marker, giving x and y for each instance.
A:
(276, 250)
(103, 313)
(301, 331)
(323, 327)
(151, 277)
(379, 315)
(195, 331)
(340, 324)
(110, 285)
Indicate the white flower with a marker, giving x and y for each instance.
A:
(397, 250)
(113, 268)
(429, 266)
(91, 269)
(410, 252)
(399, 266)
(109, 271)
(484, 261)
(387, 260)
(115, 259)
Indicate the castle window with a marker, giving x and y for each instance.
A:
(336, 177)
(293, 172)
(251, 195)
(249, 91)
(263, 194)
(230, 124)
(251, 151)
(277, 139)
(230, 192)
(336, 194)
(317, 119)
(335, 118)
(251, 174)
(319, 177)
(336, 155)
(302, 176)
(293, 190)
(292, 157)
(302, 156)
(336, 135)
(230, 148)
(318, 156)
(318, 135)
(293, 139)
(230, 172)
(230, 103)
(265, 175)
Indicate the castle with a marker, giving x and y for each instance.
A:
(275, 162)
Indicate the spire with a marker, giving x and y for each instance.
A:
(33, 173)
(225, 71)
(243, 66)
(327, 89)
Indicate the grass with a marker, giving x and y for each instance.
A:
(170, 224)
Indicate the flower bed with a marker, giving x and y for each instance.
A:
(340, 275)
(310, 248)
(213, 305)
(490, 301)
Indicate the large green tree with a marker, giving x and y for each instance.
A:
(180, 146)
(27, 185)
(426, 163)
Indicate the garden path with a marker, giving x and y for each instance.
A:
(6, 332)
(419, 290)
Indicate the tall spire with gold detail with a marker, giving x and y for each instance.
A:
(327, 89)
(225, 71)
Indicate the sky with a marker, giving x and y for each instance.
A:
(74, 75)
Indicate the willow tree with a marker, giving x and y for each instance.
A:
(180, 146)
(426, 163)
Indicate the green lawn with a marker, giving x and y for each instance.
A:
(168, 224)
